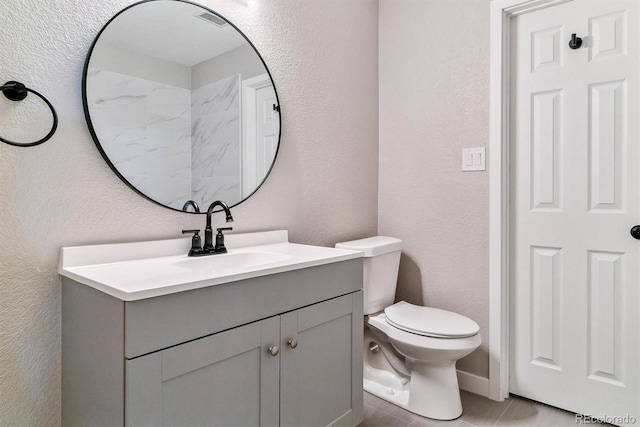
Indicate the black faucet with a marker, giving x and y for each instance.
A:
(208, 247)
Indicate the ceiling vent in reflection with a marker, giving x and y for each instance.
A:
(212, 19)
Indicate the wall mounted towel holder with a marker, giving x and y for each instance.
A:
(17, 91)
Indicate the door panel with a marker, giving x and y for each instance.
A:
(546, 327)
(609, 35)
(228, 377)
(316, 378)
(606, 307)
(192, 399)
(606, 129)
(575, 194)
(546, 119)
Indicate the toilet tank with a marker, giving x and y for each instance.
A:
(380, 275)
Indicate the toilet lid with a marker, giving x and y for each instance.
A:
(430, 322)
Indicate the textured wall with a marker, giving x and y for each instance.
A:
(323, 56)
(434, 101)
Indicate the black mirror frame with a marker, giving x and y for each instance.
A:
(95, 136)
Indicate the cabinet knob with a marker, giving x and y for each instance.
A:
(293, 343)
(274, 350)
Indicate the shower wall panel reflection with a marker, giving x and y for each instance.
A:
(145, 129)
(215, 140)
(173, 144)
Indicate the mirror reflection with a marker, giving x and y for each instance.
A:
(181, 105)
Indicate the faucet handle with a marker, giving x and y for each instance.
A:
(220, 248)
(195, 241)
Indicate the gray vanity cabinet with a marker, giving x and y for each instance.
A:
(290, 370)
(227, 377)
(320, 380)
(208, 356)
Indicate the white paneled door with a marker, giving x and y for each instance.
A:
(574, 197)
(260, 131)
(267, 130)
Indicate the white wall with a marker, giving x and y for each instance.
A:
(434, 100)
(107, 56)
(323, 187)
(241, 60)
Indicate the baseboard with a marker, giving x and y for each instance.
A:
(473, 383)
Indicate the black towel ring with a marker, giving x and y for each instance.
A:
(16, 91)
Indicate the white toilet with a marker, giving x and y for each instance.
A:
(410, 352)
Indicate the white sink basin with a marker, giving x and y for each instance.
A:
(139, 270)
(231, 260)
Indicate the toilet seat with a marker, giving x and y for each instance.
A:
(429, 321)
(379, 322)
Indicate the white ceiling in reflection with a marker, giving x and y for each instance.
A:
(140, 28)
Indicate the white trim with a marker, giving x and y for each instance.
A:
(240, 130)
(473, 383)
(500, 19)
(248, 147)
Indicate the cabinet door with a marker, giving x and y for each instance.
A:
(321, 378)
(226, 379)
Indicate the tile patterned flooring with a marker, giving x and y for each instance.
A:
(478, 411)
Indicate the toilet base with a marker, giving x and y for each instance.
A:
(432, 391)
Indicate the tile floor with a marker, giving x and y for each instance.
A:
(478, 411)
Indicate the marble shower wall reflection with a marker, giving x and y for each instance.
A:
(215, 141)
(171, 143)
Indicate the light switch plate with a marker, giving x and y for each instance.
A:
(473, 159)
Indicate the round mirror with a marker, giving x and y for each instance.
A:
(181, 105)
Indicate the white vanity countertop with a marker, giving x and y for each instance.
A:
(134, 271)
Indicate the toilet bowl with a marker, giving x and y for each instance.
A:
(410, 351)
(431, 389)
